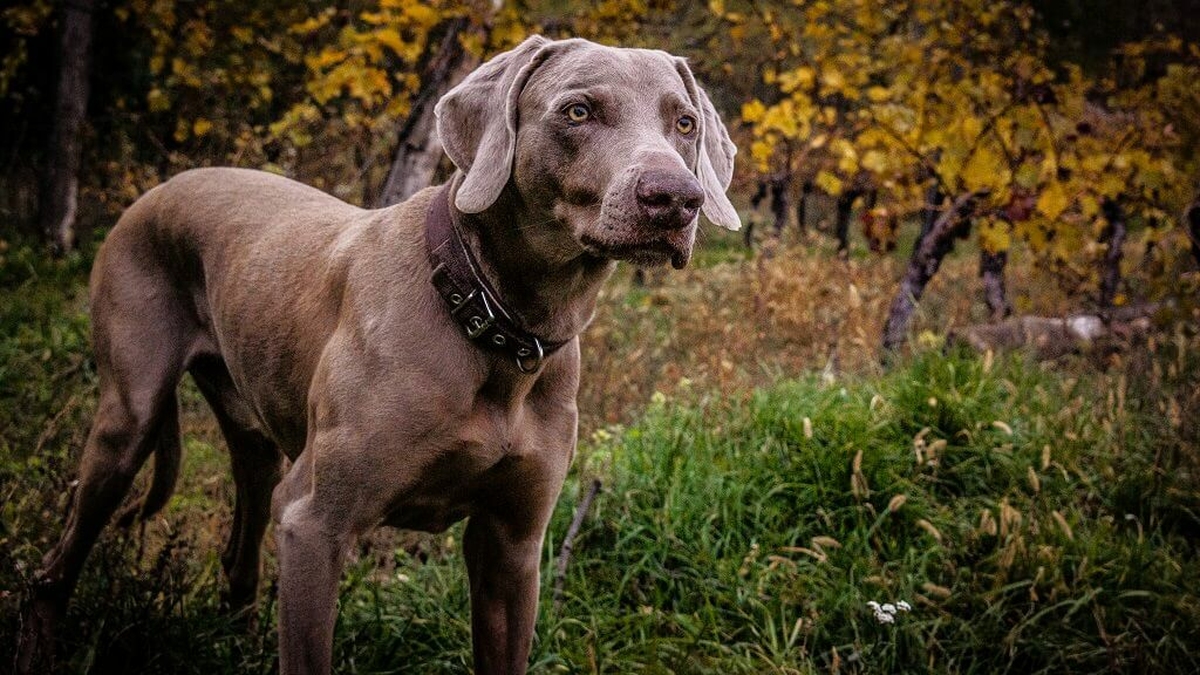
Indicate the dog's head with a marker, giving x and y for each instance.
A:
(620, 146)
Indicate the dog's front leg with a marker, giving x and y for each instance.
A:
(312, 552)
(502, 562)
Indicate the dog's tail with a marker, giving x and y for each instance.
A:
(168, 454)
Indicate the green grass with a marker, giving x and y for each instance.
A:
(1039, 519)
(699, 555)
(693, 560)
(728, 539)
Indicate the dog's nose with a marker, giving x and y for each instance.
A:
(669, 199)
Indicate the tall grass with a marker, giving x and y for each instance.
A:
(1034, 525)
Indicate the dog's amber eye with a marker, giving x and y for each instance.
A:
(686, 125)
(578, 113)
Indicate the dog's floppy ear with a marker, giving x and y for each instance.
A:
(714, 165)
(477, 123)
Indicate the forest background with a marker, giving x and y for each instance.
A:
(820, 412)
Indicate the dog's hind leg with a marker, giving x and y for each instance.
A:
(257, 468)
(127, 429)
(139, 361)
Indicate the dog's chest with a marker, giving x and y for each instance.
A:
(463, 464)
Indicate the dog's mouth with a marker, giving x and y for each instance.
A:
(641, 252)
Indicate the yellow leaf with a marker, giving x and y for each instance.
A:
(874, 160)
(754, 111)
(1112, 185)
(1089, 207)
(994, 237)
(201, 126)
(1053, 201)
(832, 79)
(829, 183)
(983, 170)
(157, 100)
(390, 38)
(971, 126)
(800, 78)
(761, 151)
(1028, 176)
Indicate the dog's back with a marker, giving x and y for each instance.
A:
(198, 266)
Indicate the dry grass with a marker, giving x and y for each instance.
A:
(787, 310)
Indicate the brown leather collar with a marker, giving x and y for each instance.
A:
(474, 304)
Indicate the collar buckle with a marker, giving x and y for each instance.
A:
(479, 322)
(537, 354)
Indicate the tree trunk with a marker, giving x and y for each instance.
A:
(1193, 228)
(418, 148)
(802, 208)
(779, 202)
(845, 206)
(756, 200)
(934, 200)
(991, 270)
(59, 194)
(1114, 236)
(926, 259)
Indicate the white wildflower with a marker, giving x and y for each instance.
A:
(886, 613)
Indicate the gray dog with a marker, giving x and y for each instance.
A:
(417, 364)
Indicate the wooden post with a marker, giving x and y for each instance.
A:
(991, 271)
(1114, 236)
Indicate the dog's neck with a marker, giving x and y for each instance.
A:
(543, 277)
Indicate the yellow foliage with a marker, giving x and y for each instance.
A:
(1052, 201)
(984, 170)
(994, 236)
(753, 111)
(829, 183)
(157, 100)
(832, 79)
(761, 151)
(801, 78)
(390, 38)
(876, 161)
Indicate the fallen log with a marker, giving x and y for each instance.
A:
(1053, 337)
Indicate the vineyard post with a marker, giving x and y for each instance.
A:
(991, 271)
(1114, 236)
